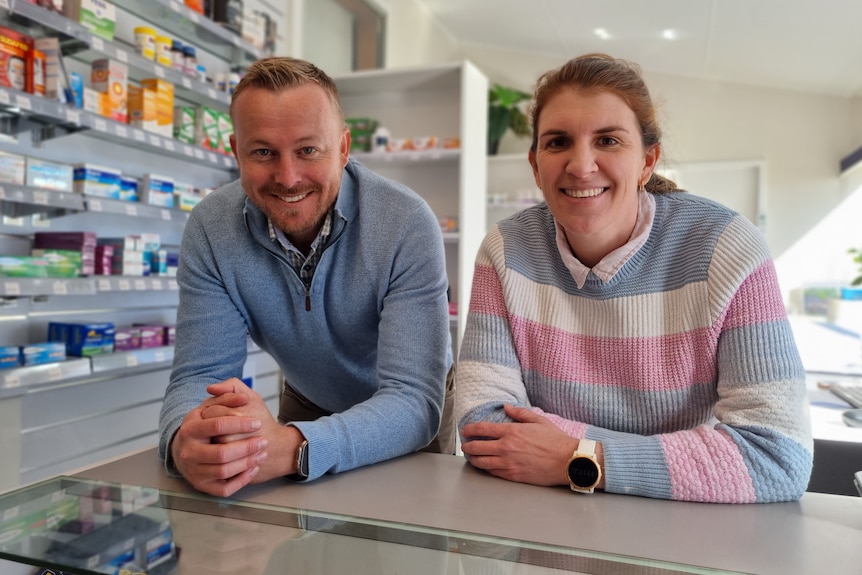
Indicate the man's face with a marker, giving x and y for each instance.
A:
(291, 147)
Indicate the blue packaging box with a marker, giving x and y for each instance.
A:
(10, 356)
(83, 339)
(46, 352)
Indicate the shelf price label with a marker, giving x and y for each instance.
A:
(157, 285)
(4, 97)
(175, 6)
(60, 288)
(131, 210)
(55, 373)
(12, 288)
(122, 56)
(23, 102)
(73, 117)
(100, 124)
(140, 136)
(160, 355)
(94, 205)
(199, 154)
(131, 360)
(40, 198)
(188, 150)
(11, 381)
(169, 145)
(187, 83)
(124, 285)
(2, 193)
(104, 285)
(172, 285)
(4, 4)
(160, 73)
(155, 141)
(211, 93)
(140, 285)
(97, 44)
(227, 162)
(121, 131)
(166, 215)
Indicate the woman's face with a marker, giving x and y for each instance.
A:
(589, 163)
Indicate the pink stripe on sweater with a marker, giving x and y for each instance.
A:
(648, 363)
(757, 300)
(705, 465)
(487, 296)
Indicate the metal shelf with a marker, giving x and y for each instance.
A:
(46, 373)
(135, 283)
(408, 156)
(122, 207)
(122, 360)
(57, 115)
(15, 286)
(20, 201)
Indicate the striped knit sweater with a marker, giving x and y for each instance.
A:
(682, 365)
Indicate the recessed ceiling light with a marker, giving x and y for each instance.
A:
(669, 34)
(602, 33)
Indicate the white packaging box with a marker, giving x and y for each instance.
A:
(49, 175)
(12, 168)
(157, 191)
(94, 180)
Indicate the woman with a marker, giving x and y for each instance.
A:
(623, 336)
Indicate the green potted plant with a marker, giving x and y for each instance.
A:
(504, 113)
(857, 259)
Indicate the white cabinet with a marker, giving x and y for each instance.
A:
(511, 186)
(447, 102)
(57, 417)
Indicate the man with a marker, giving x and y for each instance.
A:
(336, 272)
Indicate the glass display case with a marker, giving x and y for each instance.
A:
(84, 527)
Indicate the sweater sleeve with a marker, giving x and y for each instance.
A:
(756, 446)
(211, 335)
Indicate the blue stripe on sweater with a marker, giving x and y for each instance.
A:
(674, 259)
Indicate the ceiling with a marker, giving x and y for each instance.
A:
(805, 45)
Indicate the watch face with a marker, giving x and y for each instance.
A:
(583, 472)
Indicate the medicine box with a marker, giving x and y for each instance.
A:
(128, 189)
(164, 104)
(142, 108)
(225, 130)
(94, 180)
(97, 16)
(50, 46)
(64, 240)
(49, 175)
(206, 128)
(83, 339)
(157, 191)
(126, 338)
(152, 335)
(60, 263)
(110, 77)
(184, 124)
(15, 53)
(39, 353)
(10, 356)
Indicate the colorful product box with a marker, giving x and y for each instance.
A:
(110, 77)
(49, 175)
(83, 339)
(51, 48)
(206, 128)
(164, 104)
(39, 353)
(126, 338)
(157, 191)
(60, 263)
(94, 180)
(64, 239)
(142, 108)
(184, 124)
(225, 130)
(152, 335)
(10, 356)
(97, 16)
(16, 60)
(128, 189)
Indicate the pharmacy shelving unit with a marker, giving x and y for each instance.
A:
(447, 101)
(511, 187)
(60, 416)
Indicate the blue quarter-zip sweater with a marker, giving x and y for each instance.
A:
(369, 341)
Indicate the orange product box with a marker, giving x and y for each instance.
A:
(164, 104)
(196, 5)
(16, 60)
(142, 108)
(111, 77)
